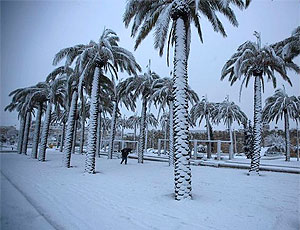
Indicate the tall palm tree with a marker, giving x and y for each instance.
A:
(281, 105)
(204, 110)
(229, 112)
(37, 98)
(55, 91)
(134, 122)
(147, 15)
(142, 86)
(163, 96)
(150, 121)
(253, 61)
(70, 97)
(20, 100)
(120, 95)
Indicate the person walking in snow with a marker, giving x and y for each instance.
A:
(125, 153)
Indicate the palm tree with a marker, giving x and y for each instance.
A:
(120, 95)
(253, 61)
(281, 105)
(229, 112)
(142, 86)
(134, 122)
(203, 110)
(55, 91)
(37, 98)
(20, 102)
(158, 14)
(150, 121)
(15, 105)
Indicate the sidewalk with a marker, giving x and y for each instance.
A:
(17, 212)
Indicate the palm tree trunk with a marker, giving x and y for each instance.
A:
(36, 137)
(146, 138)
(82, 127)
(287, 137)
(62, 140)
(113, 130)
(255, 160)
(134, 132)
(68, 142)
(142, 132)
(74, 137)
(26, 133)
(208, 137)
(21, 133)
(171, 135)
(297, 130)
(45, 132)
(165, 138)
(99, 136)
(92, 136)
(231, 142)
(182, 169)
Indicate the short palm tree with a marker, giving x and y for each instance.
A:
(142, 86)
(229, 112)
(281, 105)
(21, 103)
(150, 121)
(134, 122)
(147, 15)
(203, 110)
(120, 95)
(55, 91)
(253, 61)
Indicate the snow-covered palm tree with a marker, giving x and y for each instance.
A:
(37, 98)
(281, 105)
(203, 110)
(55, 91)
(163, 96)
(150, 121)
(120, 96)
(134, 122)
(229, 112)
(21, 101)
(253, 61)
(142, 86)
(70, 97)
(147, 15)
(16, 104)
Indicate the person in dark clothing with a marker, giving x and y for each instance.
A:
(125, 153)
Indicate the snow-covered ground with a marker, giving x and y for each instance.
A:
(139, 196)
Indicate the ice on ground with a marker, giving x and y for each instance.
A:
(140, 196)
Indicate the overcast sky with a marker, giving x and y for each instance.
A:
(33, 31)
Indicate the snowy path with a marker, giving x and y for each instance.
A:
(136, 196)
(17, 212)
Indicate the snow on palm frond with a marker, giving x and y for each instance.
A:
(279, 104)
(201, 110)
(228, 112)
(152, 14)
(289, 48)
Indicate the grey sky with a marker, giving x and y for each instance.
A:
(33, 31)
